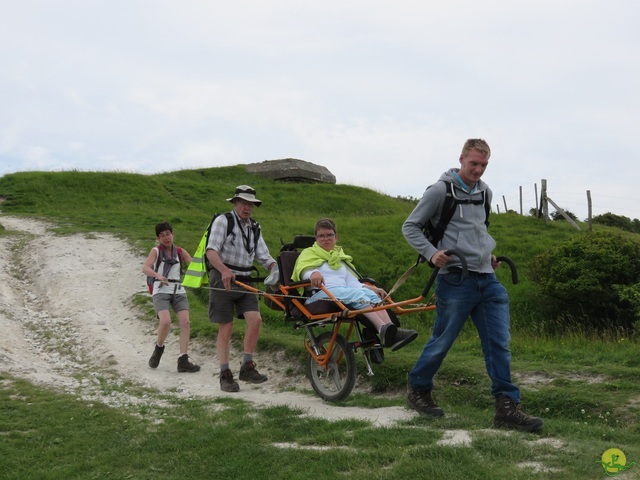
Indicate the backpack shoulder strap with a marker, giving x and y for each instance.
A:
(255, 227)
(158, 248)
(436, 232)
(230, 222)
(448, 209)
(180, 258)
(487, 209)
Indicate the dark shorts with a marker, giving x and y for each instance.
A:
(222, 303)
(162, 301)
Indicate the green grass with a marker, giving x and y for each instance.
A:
(585, 387)
(50, 436)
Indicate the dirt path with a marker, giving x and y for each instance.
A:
(68, 322)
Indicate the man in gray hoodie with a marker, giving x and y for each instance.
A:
(479, 295)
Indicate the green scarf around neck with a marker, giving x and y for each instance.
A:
(315, 256)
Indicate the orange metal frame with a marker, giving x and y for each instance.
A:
(345, 315)
(389, 304)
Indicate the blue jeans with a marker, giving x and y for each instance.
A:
(485, 300)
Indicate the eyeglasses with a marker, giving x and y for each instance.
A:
(165, 234)
(325, 236)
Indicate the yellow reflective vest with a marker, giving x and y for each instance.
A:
(196, 275)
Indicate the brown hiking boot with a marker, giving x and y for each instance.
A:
(510, 415)
(422, 401)
(154, 361)
(184, 365)
(248, 373)
(227, 383)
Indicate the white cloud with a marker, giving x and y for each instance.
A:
(381, 93)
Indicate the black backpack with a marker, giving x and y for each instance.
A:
(434, 233)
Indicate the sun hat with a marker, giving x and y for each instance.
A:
(247, 193)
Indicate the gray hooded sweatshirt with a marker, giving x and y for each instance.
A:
(466, 232)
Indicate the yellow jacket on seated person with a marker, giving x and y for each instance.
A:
(315, 256)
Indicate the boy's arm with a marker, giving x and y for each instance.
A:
(147, 268)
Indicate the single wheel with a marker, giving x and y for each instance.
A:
(336, 381)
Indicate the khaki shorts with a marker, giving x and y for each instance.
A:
(222, 303)
(162, 301)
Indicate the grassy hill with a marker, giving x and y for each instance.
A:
(586, 417)
(369, 223)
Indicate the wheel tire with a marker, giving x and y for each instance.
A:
(336, 381)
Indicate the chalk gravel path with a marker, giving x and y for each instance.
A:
(68, 322)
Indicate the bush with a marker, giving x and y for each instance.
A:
(593, 279)
(618, 221)
(557, 216)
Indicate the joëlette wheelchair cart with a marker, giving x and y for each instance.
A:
(331, 360)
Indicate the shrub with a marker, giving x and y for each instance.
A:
(618, 221)
(557, 216)
(594, 279)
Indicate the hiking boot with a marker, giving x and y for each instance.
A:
(227, 383)
(248, 373)
(154, 361)
(388, 333)
(184, 365)
(403, 337)
(510, 415)
(422, 401)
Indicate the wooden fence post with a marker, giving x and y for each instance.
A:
(544, 206)
(520, 199)
(589, 209)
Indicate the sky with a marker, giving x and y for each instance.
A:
(381, 93)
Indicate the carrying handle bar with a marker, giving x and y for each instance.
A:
(512, 266)
(434, 274)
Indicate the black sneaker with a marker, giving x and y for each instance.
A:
(403, 338)
(227, 383)
(154, 361)
(422, 401)
(388, 333)
(510, 415)
(184, 365)
(248, 373)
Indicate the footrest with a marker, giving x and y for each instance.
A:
(376, 354)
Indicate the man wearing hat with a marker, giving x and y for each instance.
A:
(232, 257)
